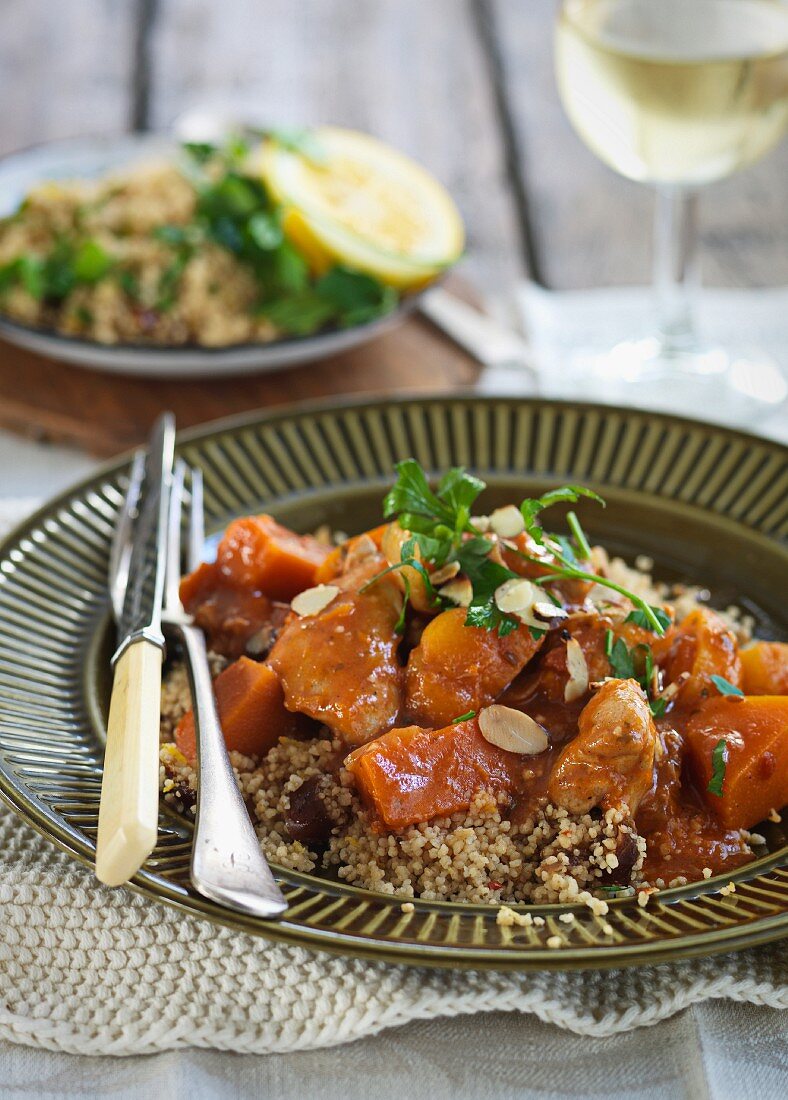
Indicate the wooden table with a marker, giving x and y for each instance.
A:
(465, 86)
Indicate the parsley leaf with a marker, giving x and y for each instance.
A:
(449, 507)
(658, 707)
(639, 618)
(485, 576)
(621, 662)
(530, 508)
(719, 762)
(725, 687)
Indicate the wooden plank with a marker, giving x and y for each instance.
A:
(412, 72)
(107, 413)
(65, 69)
(592, 227)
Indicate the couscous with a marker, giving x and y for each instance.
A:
(463, 707)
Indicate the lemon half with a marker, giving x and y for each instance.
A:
(363, 204)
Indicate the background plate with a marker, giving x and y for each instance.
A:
(86, 158)
(706, 502)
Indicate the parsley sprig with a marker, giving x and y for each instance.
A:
(441, 530)
(635, 663)
(719, 763)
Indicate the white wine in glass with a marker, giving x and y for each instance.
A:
(678, 93)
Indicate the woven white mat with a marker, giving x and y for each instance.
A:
(88, 970)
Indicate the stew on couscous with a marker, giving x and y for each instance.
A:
(472, 707)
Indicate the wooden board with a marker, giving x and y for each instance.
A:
(107, 413)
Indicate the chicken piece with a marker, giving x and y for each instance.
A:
(340, 666)
(611, 761)
(456, 668)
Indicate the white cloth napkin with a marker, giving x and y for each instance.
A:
(571, 334)
(89, 970)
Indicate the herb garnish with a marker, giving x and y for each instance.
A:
(51, 278)
(725, 687)
(237, 211)
(441, 530)
(719, 761)
(463, 717)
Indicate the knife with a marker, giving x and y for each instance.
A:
(129, 807)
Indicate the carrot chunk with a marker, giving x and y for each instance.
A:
(456, 668)
(755, 780)
(765, 668)
(251, 709)
(258, 553)
(413, 774)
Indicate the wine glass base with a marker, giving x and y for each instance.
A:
(729, 385)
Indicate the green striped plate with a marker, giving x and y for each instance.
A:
(705, 502)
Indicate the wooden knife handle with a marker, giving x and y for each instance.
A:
(129, 808)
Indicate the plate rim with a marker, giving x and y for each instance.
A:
(569, 957)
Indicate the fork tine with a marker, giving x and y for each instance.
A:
(173, 565)
(196, 521)
(120, 550)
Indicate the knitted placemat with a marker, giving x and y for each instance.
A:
(89, 970)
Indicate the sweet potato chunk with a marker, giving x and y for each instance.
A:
(251, 709)
(258, 553)
(413, 774)
(765, 669)
(456, 668)
(703, 646)
(611, 761)
(755, 729)
(340, 666)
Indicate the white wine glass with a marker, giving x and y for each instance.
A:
(679, 94)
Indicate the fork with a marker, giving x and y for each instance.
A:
(227, 863)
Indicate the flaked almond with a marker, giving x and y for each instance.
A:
(313, 600)
(445, 573)
(512, 730)
(507, 522)
(363, 548)
(516, 594)
(547, 611)
(672, 690)
(459, 591)
(577, 667)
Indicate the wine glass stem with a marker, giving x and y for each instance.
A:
(676, 268)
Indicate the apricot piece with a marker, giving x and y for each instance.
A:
(755, 730)
(703, 646)
(456, 668)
